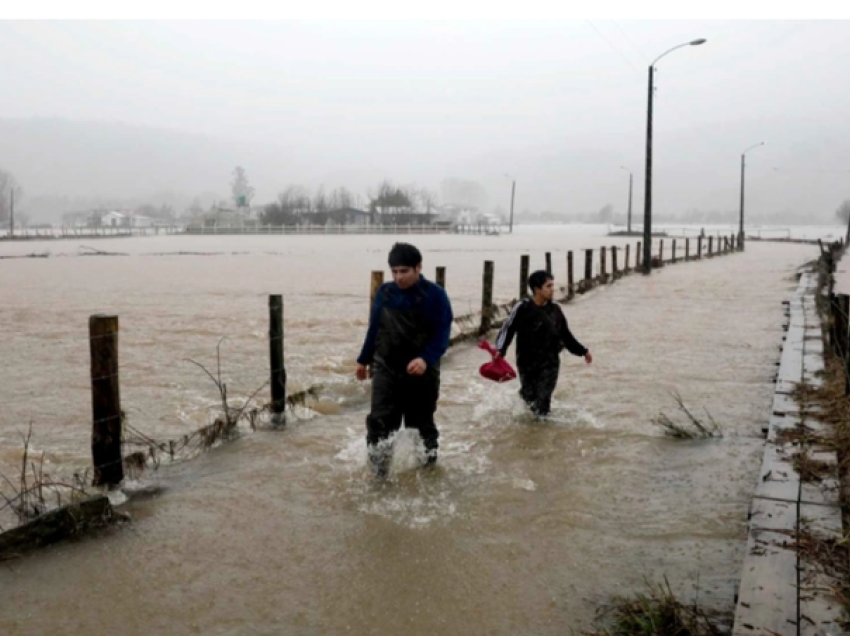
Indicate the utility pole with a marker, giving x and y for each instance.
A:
(647, 195)
(513, 191)
(741, 218)
(647, 188)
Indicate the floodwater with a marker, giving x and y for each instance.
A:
(524, 527)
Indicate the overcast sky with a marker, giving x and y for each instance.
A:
(560, 105)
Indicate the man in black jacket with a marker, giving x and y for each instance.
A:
(541, 330)
(408, 333)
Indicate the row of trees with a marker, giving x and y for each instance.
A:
(295, 202)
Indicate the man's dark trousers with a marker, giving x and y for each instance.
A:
(397, 395)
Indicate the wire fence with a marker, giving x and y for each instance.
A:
(49, 233)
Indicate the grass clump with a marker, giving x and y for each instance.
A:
(692, 428)
(657, 612)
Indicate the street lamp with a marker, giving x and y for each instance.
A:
(741, 226)
(513, 192)
(629, 222)
(647, 207)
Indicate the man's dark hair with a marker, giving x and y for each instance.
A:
(538, 279)
(404, 255)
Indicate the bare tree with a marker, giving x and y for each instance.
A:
(843, 211)
(295, 199)
(320, 200)
(242, 191)
(605, 214)
(340, 198)
(195, 209)
(391, 199)
(8, 184)
(424, 200)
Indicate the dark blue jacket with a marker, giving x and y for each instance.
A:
(408, 323)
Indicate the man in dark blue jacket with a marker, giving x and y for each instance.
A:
(542, 333)
(408, 333)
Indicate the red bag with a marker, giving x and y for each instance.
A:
(497, 370)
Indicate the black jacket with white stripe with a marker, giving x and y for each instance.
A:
(541, 333)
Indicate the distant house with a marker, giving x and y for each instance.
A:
(342, 216)
(113, 219)
(134, 219)
(351, 216)
(124, 219)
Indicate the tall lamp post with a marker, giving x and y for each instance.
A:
(12, 215)
(647, 207)
(629, 221)
(741, 223)
(513, 192)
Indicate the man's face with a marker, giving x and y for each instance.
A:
(405, 276)
(547, 292)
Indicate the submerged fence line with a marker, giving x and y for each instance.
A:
(493, 315)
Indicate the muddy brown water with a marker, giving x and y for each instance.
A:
(525, 526)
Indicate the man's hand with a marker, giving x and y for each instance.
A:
(588, 358)
(362, 371)
(417, 366)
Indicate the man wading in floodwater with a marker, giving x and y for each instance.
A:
(408, 334)
(541, 330)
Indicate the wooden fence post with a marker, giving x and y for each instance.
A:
(661, 253)
(278, 371)
(613, 262)
(841, 345)
(603, 271)
(523, 276)
(626, 260)
(570, 288)
(710, 246)
(106, 401)
(440, 278)
(674, 251)
(637, 257)
(839, 305)
(487, 298)
(687, 249)
(588, 269)
(377, 281)
(699, 248)
(549, 263)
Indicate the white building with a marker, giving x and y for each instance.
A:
(113, 219)
(125, 219)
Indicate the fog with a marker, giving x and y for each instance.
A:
(145, 110)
